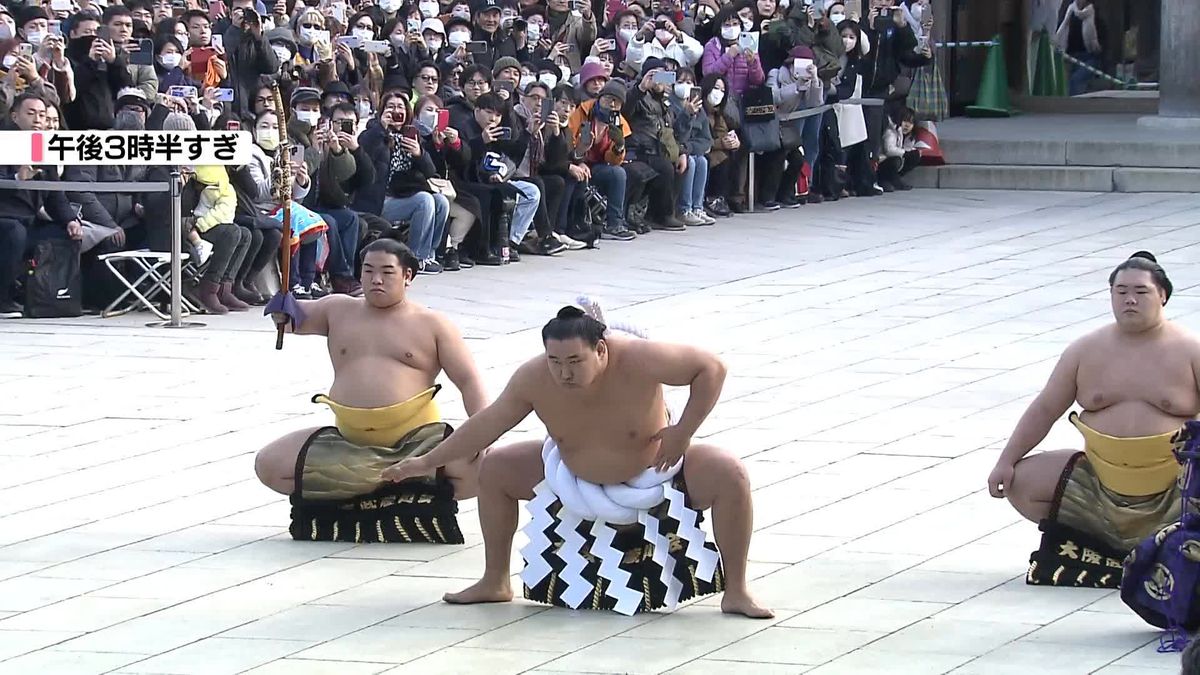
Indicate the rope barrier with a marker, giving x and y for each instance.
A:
(1103, 75)
(952, 45)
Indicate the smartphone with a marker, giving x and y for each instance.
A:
(506, 85)
(347, 126)
(182, 91)
(574, 5)
(338, 10)
(321, 36)
(200, 58)
(25, 49)
(103, 33)
(443, 119)
(297, 155)
(747, 42)
(233, 125)
(414, 25)
(477, 47)
(225, 95)
(218, 41)
(377, 47)
(61, 5)
(664, 77)
(215, 9)
(503, 134)
(55, 27)
(351, 41)
(251, 17)
(410, 133)
(141, 52)
(547, 107)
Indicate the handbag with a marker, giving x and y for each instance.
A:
(760, 125)
(53, 288)
(443, 186)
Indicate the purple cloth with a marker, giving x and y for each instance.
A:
(285, 303)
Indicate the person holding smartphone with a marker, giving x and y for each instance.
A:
(248, 54)
(724, 56)
(599, 135)
(119, 21)
(661, 38)
(100, 73)
(695, 141)
(654, 150)
(572, 23)
(336, 192)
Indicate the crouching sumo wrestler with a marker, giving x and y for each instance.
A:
(386, 352)
(1136, 380)
(616, 489)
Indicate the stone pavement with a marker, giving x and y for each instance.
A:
(880, 352)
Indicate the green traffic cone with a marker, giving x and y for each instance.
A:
(1060, 74)
(992, 99)
(1044, 80)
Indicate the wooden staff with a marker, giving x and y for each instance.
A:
(283, 192)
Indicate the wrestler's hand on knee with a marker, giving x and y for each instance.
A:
(407, 468)
(1000, 479)
(672, 442)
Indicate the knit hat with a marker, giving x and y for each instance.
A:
(615, 89)
(801, 52)
(504, 62)
(303, 94)
(282, 35)
(652, 63)
(177, 121)
(29, 13)
(590, 71)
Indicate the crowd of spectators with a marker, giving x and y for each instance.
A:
(489, 130)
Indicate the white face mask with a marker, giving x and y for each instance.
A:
(182, 38)
(309, 117)
(525, 81)
(849, 43)
(9, 60)
(307, 35)
(730, 32)
(837, 18)
(548, 80)
(664, 36)
(427, 121)
(683, 90)
(715, 97)
(747, 24)
(428, 9)
(6, 31)
(35, 37)
(363, 34)
(627, 34)
(533, 32)
(268, 139)
(171, 59)
(434, 44)
(566, 72)
(282, 53)
(390, 6)
(364, 109)
(458, 38)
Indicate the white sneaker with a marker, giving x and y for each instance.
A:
(690, 219)
(204, 251)
(571, 244)
(707, 219)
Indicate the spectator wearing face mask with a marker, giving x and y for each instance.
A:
(168, 66)
(723, 55)
(408, 46)
(592, 80)
(621, 30)
(727, 159)
(600, 136)
(662, 39)
(805, 25)
(851, 122)
(458, 34)
(795, 88)
(900, 155)
(314, 52)
(451, 159)
(335, 193)
(545, 143)
(695, 141)
(34, 75)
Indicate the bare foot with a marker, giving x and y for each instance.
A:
(484, 590)
(733, 602)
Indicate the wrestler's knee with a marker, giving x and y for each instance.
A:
(513, 469)
(713, 473)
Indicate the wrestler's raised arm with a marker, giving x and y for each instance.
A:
(459, 366)
(478, 432)
(316, 315)
(1054, 400)
(679, 366)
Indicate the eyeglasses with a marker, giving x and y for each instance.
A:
(264, 99)
(430, 78)
(475, 83)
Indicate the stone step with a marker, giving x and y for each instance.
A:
(1056, 178)
(1081, 153)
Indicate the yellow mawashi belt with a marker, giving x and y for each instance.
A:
(384, 426)
(1138, 466)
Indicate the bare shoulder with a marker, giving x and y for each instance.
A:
(529, 378)
(439, 321)
(1098, 339)
(1185, 340)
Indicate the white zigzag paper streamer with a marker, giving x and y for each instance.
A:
(662, 556)
(571, 553)
(628, 600)
(706, 560)
(534, 553)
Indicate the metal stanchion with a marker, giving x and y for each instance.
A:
(176, 321)
(750, 183)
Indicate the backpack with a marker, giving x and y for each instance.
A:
(53, 288)
(1160, 574)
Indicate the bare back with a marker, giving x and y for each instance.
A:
(1136, 385)
(381, 356)
(603, 432)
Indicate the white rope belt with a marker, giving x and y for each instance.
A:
(620, 503)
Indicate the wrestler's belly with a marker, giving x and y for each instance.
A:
(376, 382)
(1128, 419)
(604, 466)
